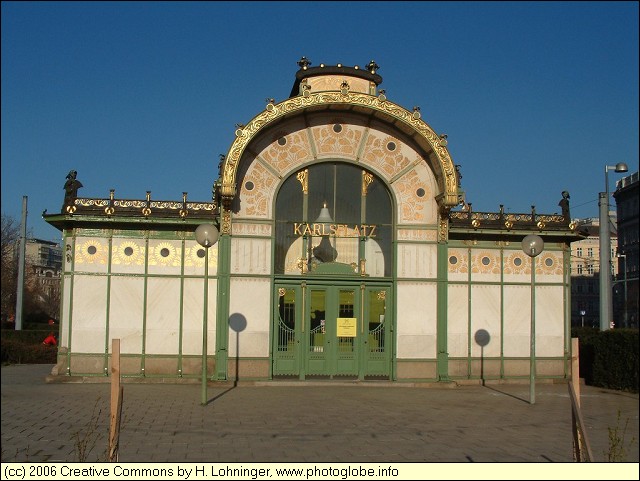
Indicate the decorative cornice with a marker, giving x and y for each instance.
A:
(140, 208)
(508, 222)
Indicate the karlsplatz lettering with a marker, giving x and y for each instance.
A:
(335, 230)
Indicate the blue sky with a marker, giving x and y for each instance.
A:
(535, 97)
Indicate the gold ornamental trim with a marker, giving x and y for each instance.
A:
(367, 179)
(303, 178)
(246, 133)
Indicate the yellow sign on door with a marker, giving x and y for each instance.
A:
(346, 327)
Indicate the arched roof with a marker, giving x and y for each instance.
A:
(376, 106)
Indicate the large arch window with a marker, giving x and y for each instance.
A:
(334, 218)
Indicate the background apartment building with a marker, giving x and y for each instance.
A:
(585, 262)
(625, 286)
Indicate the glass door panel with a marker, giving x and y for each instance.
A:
(347, 326)
(377, 351)
(331, 331)
(317, 346)
(286, 348)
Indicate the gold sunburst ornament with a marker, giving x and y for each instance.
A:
(164, 253)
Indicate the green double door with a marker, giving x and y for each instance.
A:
(332, 331)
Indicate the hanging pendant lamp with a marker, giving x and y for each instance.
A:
(324, 219)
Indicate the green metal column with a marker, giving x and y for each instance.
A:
(70, 256)
(222, 313)
(567, 308)
(108, 306)
(442, 330)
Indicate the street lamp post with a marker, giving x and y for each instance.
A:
(624, 315)
(532, 245)
(206, 235)
(582, 313)
(606, 307)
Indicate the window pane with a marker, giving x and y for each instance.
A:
(339, 187)
(288, 210)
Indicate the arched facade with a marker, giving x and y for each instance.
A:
(343, 253)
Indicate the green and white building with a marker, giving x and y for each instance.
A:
(346, 251)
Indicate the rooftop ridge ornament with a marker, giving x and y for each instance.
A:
(372, 66)
(304, 63)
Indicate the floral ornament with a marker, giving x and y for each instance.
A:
(164, 253)
(128, 253)
(90, 252)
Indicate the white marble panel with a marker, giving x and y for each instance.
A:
(250, 228)
(193, 316)
(458, 264)
(126, 313)
(89, 314)
(256, 190)
(248, 343)
(128, 257)
(517, 321)
(66, 310)
(163, 315)
(516, 266)
(165, 256)
(91, 254)
(417, 319)
(194, 255)
(284, 150)
(417, 261)
(417, 347)
(485, 315)
(415, 192)
(250, 256)
(344, 143)
(549, 267)
(458, 320)
(485, 265)
(250, 300)
(549, 321)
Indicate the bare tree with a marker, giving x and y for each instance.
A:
(10, 236)
(40, 300)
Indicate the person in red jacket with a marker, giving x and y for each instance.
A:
(50, 340)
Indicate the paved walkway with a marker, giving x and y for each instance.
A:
(284, 422)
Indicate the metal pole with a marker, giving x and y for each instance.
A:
(205, 328)
(21, 264)
(605, 261)
(532, 369)
(624, 256)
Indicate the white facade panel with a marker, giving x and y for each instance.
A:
(89, 314)
(128, 256)
(458, 265)
(91, 255)
(163, 315)
(549, 321)
(165, 257)
(194, 255)
(485, 265)
(417, 261)
(516, 266)
(517, 321)
(250, 256)
(485, 316)
(193, 316)
(417, 320)
(65, 298)
(126, 313)
(458, 320)
(249, 304)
